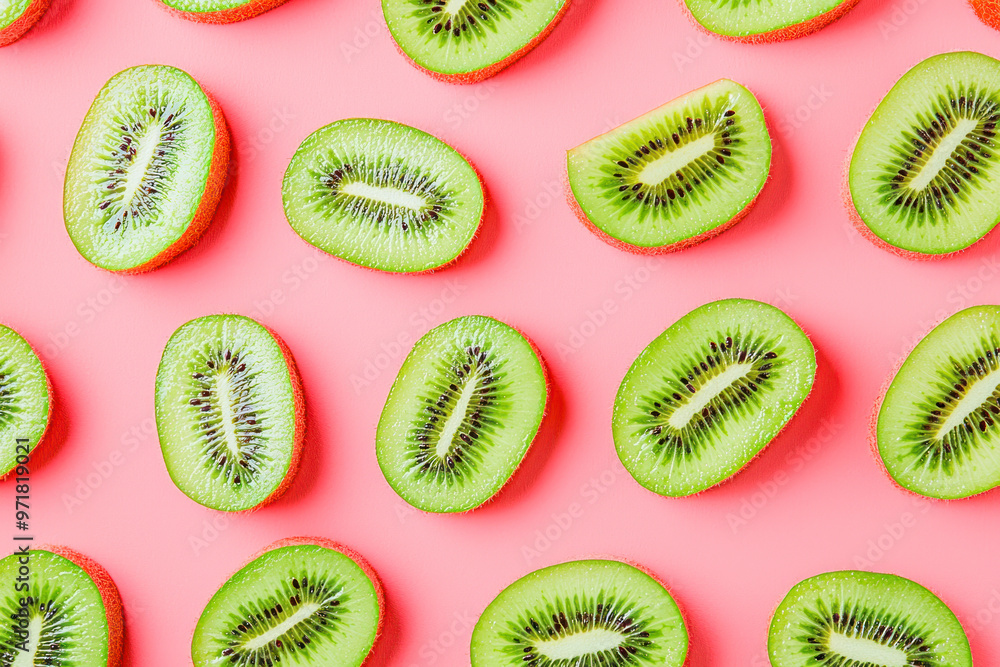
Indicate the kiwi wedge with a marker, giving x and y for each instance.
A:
(675, 176)
(62, 609)
(465, 41)
(220, 11)
(923, 178)
(18, 17)
(460, 416)
(865, 619)
(383, 195)
(760, 21)
(708, 394)
(25, 399)
(584, 613)
(229, 412)
(937, 426)
(146, 170)
(303, 602)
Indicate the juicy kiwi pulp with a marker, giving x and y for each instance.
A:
(709, 393)
(60, 619)
(924, 175)
(862, 619)
(383, 195)
(938, 429)
(456, 37)
(461, 414)
(301, 604)
(24, 398)
(205, 6)
(589, 613)
(749, 18)
(677, 172)
(227, 412)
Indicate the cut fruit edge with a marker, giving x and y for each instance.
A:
(51, 399)
(988, 12)
(25, 22)
(248, 10)
(476, 76)
(794, 31)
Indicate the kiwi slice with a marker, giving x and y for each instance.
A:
(305, 602)
(461, 414)
(25, 399)
(469, 40)
(229, 412)
(62, 609)
(18, 17)
(676, 176)
(220, 11)
(709, 393)
(585, 613)
(146, 170)
(383, 195)
(865, 619)
(937, 430)
(759, 21)
(923, 177)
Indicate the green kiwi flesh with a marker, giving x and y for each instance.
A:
(924, 175)
(461, 414)
(66, 619)
(383, 195)
(865, 619)
(586, 613)
(12, 10)
(938, 427)
(744, 19)
(226, 412)
(300, 605)
(24, 398)
(709, 393)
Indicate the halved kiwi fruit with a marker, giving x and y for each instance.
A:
(18, 17)
(865, 619)
(760, 21)
(220, 11)
(383, 195)
(709, 393)
(466, 41)
(937, 430)
(585, 613)
(460, 416)
(675, 176)
(988, 12)
(146, 171)
(25, 399)
(60, 608)
(229, 412)
(304, 601)
(923, 178)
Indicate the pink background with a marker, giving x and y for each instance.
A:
(814, 501)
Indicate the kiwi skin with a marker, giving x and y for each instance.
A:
(231, 15)
(32, 13)
(48, 423)
(988, 12)
(782, 34)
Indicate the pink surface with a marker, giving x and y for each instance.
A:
(814, 501)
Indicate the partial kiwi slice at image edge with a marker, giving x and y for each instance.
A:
(675, 176)
(17, 17)
(461, 414)
(758, 21)
(25, 400)
(383, 195)
(923, 178)
(219, 11)
(466, 42)
(305, 601)
(865, 618)
(707, 395)
(937, 425)
(71, 610)
(146, 171)
(585, 612)
(230, 412)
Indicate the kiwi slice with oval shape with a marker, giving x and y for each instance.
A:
(146, 170)
(220, 11)
(304, 602)
(383, 195)
(675, 176)
(466, 41)
(709, 393)
(759, 21)
(937, 430)
(229, 412)
(460, 416)
(865, 619)
(25, 399)
(584, 613)
(18, 17)
(60, 608)
(923, 178)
